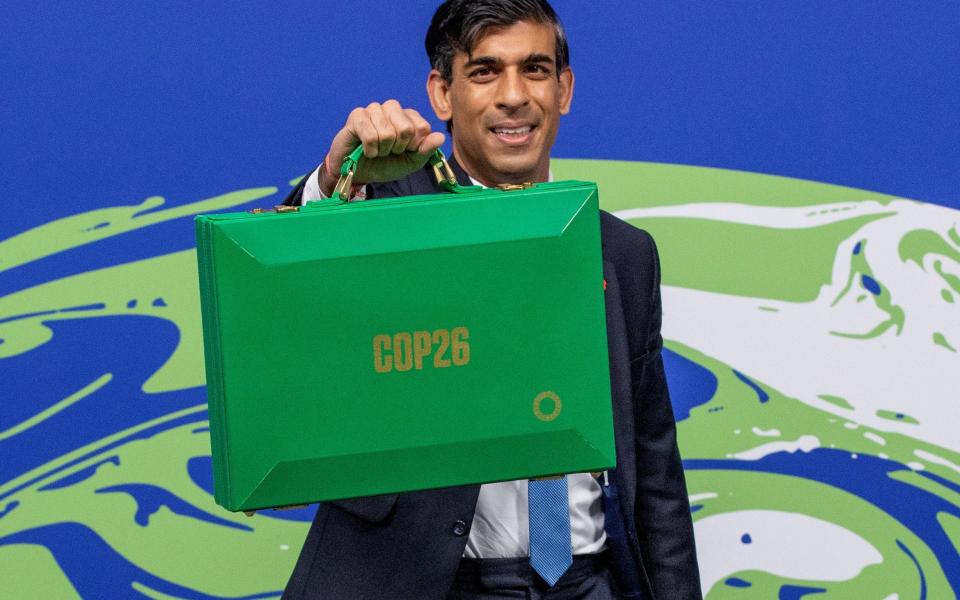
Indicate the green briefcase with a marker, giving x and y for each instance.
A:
(404, 343)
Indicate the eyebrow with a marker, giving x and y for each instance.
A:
(490, 61)
(538, 58)
(486, 61)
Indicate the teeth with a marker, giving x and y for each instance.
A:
(516, 131)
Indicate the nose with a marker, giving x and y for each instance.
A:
(512, 91)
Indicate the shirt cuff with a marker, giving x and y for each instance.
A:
(311, 188)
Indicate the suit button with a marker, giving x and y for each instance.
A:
(459, 528)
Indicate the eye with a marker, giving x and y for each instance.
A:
(538, 70)
(482, 74)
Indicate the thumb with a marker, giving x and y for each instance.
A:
(344, 142)
(431, 143)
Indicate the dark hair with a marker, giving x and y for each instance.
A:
(459, 24)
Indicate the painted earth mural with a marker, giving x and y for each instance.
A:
(812, 339)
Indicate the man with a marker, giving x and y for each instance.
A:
(500, 78)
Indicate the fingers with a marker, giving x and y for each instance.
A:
(402, 125)
(384, 129)
(430, 143)
(386, 134)
(359, 128)
(367, 126)
(400, 137)
(421, 129)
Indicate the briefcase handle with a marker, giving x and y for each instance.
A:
(441, 170)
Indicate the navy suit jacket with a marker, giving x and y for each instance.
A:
(408, 546)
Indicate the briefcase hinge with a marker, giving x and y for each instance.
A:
(280, 208)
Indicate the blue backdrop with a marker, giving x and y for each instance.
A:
(105, 104)
(109, 101)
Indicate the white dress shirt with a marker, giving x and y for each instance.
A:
(500, 526)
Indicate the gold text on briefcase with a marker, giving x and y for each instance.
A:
(412, 349)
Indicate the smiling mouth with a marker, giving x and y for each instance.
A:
(513, 135)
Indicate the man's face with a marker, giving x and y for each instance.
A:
(505, 100)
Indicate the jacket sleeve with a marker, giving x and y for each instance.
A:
(664, 525)
(294, 198)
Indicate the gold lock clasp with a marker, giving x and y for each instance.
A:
(514, 187)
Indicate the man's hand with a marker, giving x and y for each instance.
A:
(396, 142)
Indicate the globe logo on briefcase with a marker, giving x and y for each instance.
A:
(553, 406)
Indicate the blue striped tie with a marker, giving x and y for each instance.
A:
(550, 554)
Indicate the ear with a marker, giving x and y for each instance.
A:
(438, 91)
(566, 90)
